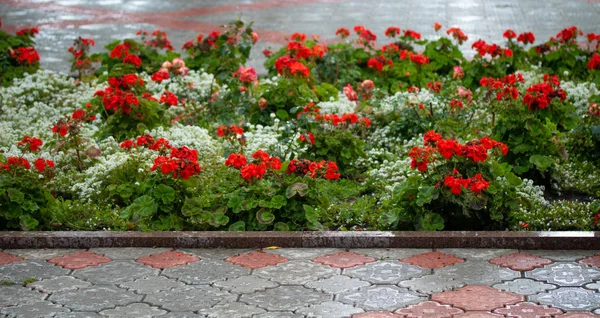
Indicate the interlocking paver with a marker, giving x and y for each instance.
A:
(433, 260)
(115, 272)
(256, 260)
(44, 254)
(595, 286)
(20, 271)
(285, 298)
(304, 253)
(430, 284)
(182, 315)
(330, 309)
(429, 309)
(205, 272)
(167, 259)
(81, 314)
(133, 310)
(476, 254)
(37, 309)
(477, 298)
(343, 260)
(189, 298)
(565, 274)
(477, 273)
(592, 260)
(381, 297)
(79, 260)
(337, 284)
(377, 314)
(279, 314)
(528, 310)
(18, 295)
(386, 272)
(95, 298)
(6, 258)
(478, 314)
(390, 253)
(59, 284)
(562, 255)
(128, 253)
(245, 284)
(568, 298)
(578, 315)
(215, 253)
(525, 286)
(520, 261)
(296, 272)
(232, 310)
(152, 284)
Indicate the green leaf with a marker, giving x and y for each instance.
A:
(15, 195)
(265, 216)
(282, 114)
(30, 206)
(541, 162)
(164, 193)
(296, 188)
(425, 195)
(235, 203)
(311, 214)
(220, 219)
(513, 179)
(28, 222)
(142, 207)
(191, 207)
(432, 222)
(277, 202)
(498, 169)
(280, 226)
(125, 190)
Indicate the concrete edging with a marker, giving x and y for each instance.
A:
(449, 239)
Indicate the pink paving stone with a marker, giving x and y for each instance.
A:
(167, 259)
(528, 310)
(478, 314)
(429, 309)
(79, 260)
(433, 260)
(6, 258)
(578, 315)
(482, 298)
(520, 261)
(377, 314)
(256, 260)
(344, 260)
(592, 260)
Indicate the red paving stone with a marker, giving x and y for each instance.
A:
(167, 259)
(79, 260)
(344, 260)
(256, 260)
(478, 314)
(482, 298)
(592, 260)
(578, 315)
(377, 314)
(429, 309)
(520, 261)
(433, 260)
(528, 310)
(6, 258)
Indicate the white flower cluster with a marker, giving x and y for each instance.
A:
(579, 94)
(194, 86)
(341, 106)
(559, 215)
(193, 137)
(405, 99)
(582, 176)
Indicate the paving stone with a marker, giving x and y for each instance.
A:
(215, 253)
(390, 253)
(477, 298)
(595, 286)
(79, 260)
(528, 310)
(304, 253)
(525, 286)
(377, 314)
(285, 298)
(477, 273)
(337, 284)
(59, 284)
(20, 271)
(343, 260)
(205, 272)
(381, 297)
(37, 309)
(128, 253)
(18, 295)
(116, 272)
(478, 314)
(562, 255)
(386, 272)
(568, 298)
(433, 260)
(578, 315)
(296, 272)
(6, 258)
(44, 254)
(182, 315)
(330, 309)
(167, 259)
(597, 311)
(592, 260)
(189, 298)
(430, 309)
(430, 284)
(476, 254)
(79, 314)
(256, 260)
(134, 310)
(232, 310)
(520, 261)
(565, 274)
(245, 284)
(95, 298)
(148, 285)
(278, 314)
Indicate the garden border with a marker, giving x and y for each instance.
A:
(366, 239)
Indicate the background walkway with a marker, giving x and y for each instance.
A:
(61, 21)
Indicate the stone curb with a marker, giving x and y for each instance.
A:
(449, 239)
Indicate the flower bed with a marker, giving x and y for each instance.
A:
(347, 136)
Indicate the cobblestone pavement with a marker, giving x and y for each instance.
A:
(328, 283)
(61, 21)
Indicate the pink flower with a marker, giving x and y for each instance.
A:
(350, 93)
(177, 62)
(458, 72)
(246, 74)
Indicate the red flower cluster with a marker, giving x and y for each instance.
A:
(28, 32)
(40, 164)
(492, 49)
(182, 162)
(526, 38)
(390, 48)
(246, 74)
(348, 118)
(539, 96)
(569, 34)
(458, 35)
(236, 160)
(366, 37)
(437, 26)
(594, 63)
(169, 99)
(300, 51)
(436, 86)
(327, 169)
(32, 143)
(224, 131)
(392, 31)
(115, 99)
(133, 59)
(310, 138)
(415, 58)
(342, 32)
(286, 65)
(256, 170)
(509, 34)
(412, 34)
(503, 87)
(378, 63)
(26, 55)
(121, 51)
(160, 75)
(159, 39)
(594, 110)
(476, 184)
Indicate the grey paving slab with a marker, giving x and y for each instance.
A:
(205, 272)
(245, 284)
(296, 272)
(430, 284)
(569, 298)
(285, 298)
(597, 311)
(152, 284)
(278, 314)
(18, 295)
(233, 310)
(525, 286)
(330, 309)
(562, 256)
(189, 298)
(115, 272)
(127, 252)
(381, 297)
(79, 314)
(565, 274)
(182, 315)
(304, 253)
(59, 284)
(386, 272)
(215, 253)
(44, 254)
(480, 254)
(390, 253)
(20, 271)
(134, 310)
(594, 286)
(37, 309)
(337, 284)
(95, 298)
(477, 273)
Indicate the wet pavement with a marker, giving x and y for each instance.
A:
(296, 282)
(61, 21)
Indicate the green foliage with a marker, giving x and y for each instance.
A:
(10, 68)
